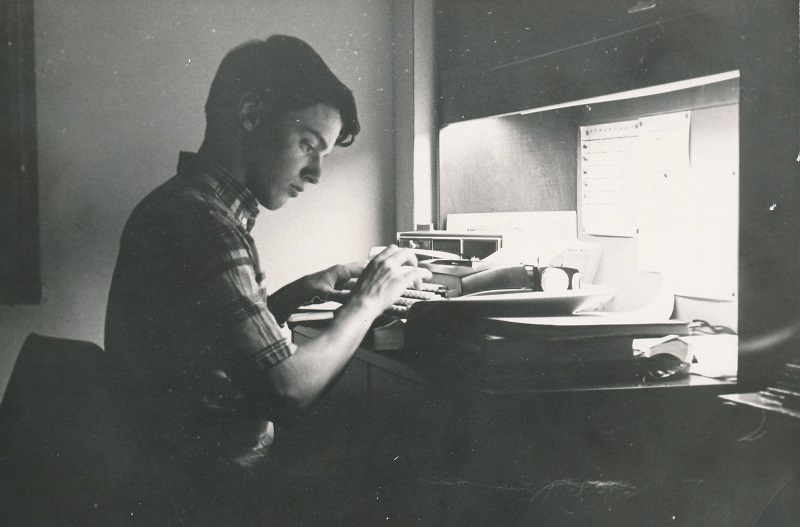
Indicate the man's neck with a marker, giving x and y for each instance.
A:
(227, 154)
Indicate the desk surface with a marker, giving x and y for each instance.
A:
(414, 368)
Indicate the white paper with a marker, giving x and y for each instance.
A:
(607, 182)
(625, 170)
(583, 256)
(708, 257)
(717, 355)
(546, 224)
(664, 159)
(530, 238)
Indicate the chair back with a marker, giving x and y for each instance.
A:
(69, 454)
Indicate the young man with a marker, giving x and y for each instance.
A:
(200, 343)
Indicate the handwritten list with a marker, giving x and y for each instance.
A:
(619, 165)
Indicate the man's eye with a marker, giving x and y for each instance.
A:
(307, 147)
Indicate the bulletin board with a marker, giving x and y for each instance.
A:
(669, 181)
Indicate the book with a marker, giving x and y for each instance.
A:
(582, 326)
(309, 316)
(554, 349)
(496, 351)
(500, 363)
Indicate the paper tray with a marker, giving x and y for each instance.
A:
(516, 304)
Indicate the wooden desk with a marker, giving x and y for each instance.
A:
(405, 364)
(446, 453)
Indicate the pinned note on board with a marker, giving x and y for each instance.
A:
(622, 168)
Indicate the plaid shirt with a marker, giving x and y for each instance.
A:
(188, 317)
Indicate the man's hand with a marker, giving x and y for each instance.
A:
(385, 278)
(299, 380)
(324, 285)
(380, 283)
(316, 287)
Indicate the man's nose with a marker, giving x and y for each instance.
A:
(311, 174)
(313, 170)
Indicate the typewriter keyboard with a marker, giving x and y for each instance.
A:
(412, 295)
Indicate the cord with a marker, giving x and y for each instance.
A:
(701, 327)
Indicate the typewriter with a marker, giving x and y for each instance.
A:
(450, 280)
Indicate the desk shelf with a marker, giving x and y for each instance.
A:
(757, 400)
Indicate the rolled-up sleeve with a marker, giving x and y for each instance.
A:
(230, 294)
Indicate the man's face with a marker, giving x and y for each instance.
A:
(283, 156)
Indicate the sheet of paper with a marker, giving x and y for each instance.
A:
(714, 356)
(659, 307)
(595, 318)
(307, 316)
(530, 238)
(717, 355)
(607, 182)
(623, 167)
(527, 249)
(330, 305)
(583, 256)
(708, 258)
(664, 164)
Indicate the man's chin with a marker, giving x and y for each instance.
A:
(274, 204)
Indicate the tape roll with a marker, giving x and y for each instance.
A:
(560, 279)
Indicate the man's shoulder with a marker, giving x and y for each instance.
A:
(180, 203)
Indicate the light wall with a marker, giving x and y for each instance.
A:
(120, 91)
(415, 113)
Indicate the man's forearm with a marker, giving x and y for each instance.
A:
(303, 377)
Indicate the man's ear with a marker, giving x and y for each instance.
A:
(250, 106)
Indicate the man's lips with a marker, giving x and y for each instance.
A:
(297, 189)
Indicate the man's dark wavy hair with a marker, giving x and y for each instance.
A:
(287, 74)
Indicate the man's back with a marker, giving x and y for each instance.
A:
(175, 331)
(203, 358)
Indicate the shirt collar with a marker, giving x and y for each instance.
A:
(230, 191)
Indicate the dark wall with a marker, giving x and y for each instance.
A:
(19, 215)
(769, 240)
(513, 163)
(503, 56)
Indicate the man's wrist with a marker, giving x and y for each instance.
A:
(363, 307)
(286, 300)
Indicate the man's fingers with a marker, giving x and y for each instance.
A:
(356, 268)
(399, 257)
(339, 296)
(385, 254)
(421, 275)
(414, 276)
(403, 262)
(345, 273)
